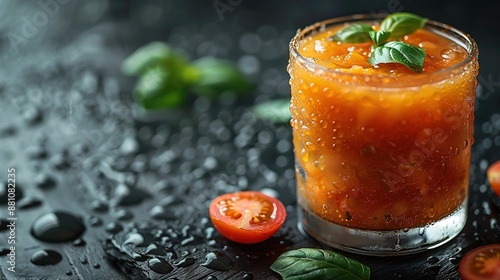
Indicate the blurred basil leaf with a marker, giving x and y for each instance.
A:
(157, 88)
(277, 111)
(152, 55)
(216, 76)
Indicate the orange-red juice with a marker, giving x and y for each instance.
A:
(381, 147)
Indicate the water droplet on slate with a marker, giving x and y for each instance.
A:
(185, 253)
(129, 146)
(187, 240)
(432, 260)
(4, 193)
(185, 262)
(32, 115)
(83, 260)
(79, 242)
(94, 221)
(211, 277)
(99, 206)
(160, 213)
(138, 257)
(69, 273)
(160, 265)
(209, 232)
(125, 195)
(36, 152)
(432, 271)
(123, 214)
(29, 202)
(60, 161)
(185, 230)
(113, 227)
(218, 261)
(45, 257)
(4, 251)
(8, 130)
(248, 276)
(96, 265)
(57, 227)
(44, 181)
(134, 238)
(153, 249)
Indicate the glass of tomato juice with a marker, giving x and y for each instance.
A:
(382, 153)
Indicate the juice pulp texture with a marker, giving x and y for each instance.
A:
(381, 147)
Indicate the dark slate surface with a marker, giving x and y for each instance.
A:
(141, 183)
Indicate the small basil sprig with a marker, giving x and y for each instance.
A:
(166, 76)
(393, 26)
(318, 264)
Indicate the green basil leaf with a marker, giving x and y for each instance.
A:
(379, 37)
(218, 76)
(158, 88)
(400, 24)
(354, 33)
(399, 52)
(312, 264)
(151, 55)
(277, 111)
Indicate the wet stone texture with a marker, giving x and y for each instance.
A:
(123, 194)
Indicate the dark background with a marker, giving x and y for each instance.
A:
(61, 91)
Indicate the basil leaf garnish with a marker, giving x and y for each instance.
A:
(312, 264)
(379, 37)
(276, 111)
(354, 33)
(399, 52)
(401, 24)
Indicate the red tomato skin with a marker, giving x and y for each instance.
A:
(466, 265)
(493, 174)
(255, 234)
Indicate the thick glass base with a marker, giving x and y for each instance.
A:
(383, 243)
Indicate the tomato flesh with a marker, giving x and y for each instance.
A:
(494, 177)
(247, 217)
(482, 263)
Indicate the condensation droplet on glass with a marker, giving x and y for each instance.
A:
(314, 87)
(310, 146)
(304, 155)
(306, 130)
(431, 212)
(448, 54)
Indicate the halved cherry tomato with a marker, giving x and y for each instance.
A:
(494, 177)
(482, 263)
(247, 217)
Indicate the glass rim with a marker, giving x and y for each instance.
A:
(468, 44)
